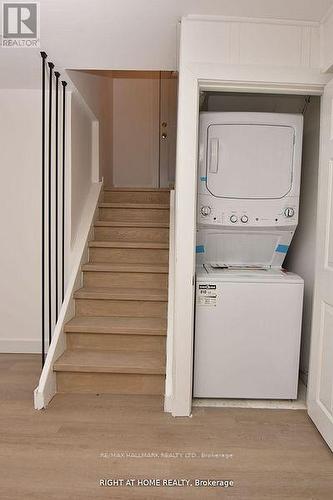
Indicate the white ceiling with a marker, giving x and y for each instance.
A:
(130, 34)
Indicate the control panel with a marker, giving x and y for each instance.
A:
(221, 212)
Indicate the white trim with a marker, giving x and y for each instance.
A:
(261, 87)
(47, 384)
(254, 20)
(185, 235)
(326, 15)
(171, 300)
(23, 346)
(322, 53)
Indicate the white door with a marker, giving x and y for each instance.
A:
(249, 160)
(320, 390)
(136, 131)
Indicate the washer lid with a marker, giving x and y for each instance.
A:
(244, 247)
(270, 275)
(249, 160)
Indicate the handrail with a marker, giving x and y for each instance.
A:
(53, 180)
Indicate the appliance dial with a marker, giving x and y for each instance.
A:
(205, 210)
(233, 218)
(289, 212)
(244, 218)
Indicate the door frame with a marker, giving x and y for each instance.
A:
(190, 85)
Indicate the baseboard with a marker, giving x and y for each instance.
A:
(168, 400)
(23, 346)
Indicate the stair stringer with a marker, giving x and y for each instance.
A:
(46, 388)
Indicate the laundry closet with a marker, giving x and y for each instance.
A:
(255, 247)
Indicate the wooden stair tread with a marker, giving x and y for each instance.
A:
(159, 206)
(109, 223)
(125, 268)
(128, 244)
(119, 293)
(84, 360)
(115, 324)
(116, 343)
(136, 189)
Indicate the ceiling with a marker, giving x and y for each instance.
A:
(131, 34)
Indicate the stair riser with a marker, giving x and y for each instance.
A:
(129, 255)
(136, 197)
(134, 214)
(136, 308)
(116, 342)
(147, 234)
(127, 280)
(110, 383)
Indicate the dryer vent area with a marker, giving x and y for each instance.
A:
(256, 233)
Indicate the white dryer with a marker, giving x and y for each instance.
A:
(248, 185)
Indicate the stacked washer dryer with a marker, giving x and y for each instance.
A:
(248, 308)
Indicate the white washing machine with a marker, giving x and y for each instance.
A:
(248, 310)
(247, 333)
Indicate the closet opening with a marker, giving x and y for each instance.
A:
(247, 243)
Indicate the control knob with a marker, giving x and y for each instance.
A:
(289, 212)
(233, 218)
(205, 211)
(244, 218)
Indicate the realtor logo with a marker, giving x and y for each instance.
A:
(20, 25)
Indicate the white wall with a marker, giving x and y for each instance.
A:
(20, 219)
(131, 34)
(20, 214)
(97, 91)
(301, 256)
(136, 132)
(81, 159)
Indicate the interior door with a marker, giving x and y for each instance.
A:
(320, 389)
(249, 160)
(136, 130)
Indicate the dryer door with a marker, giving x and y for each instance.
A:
(249, 160)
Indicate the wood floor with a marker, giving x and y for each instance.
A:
(61, 453)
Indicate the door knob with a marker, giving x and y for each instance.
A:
(164, 135)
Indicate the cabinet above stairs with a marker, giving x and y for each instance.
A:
(116, 340)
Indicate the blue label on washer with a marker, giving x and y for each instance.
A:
(203, 178)
(282, 248)
(200, 249)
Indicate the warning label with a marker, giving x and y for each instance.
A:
(207, 295)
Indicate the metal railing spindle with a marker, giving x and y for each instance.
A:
(57, 75)
(43, 56)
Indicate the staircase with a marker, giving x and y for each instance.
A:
(116, 341)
